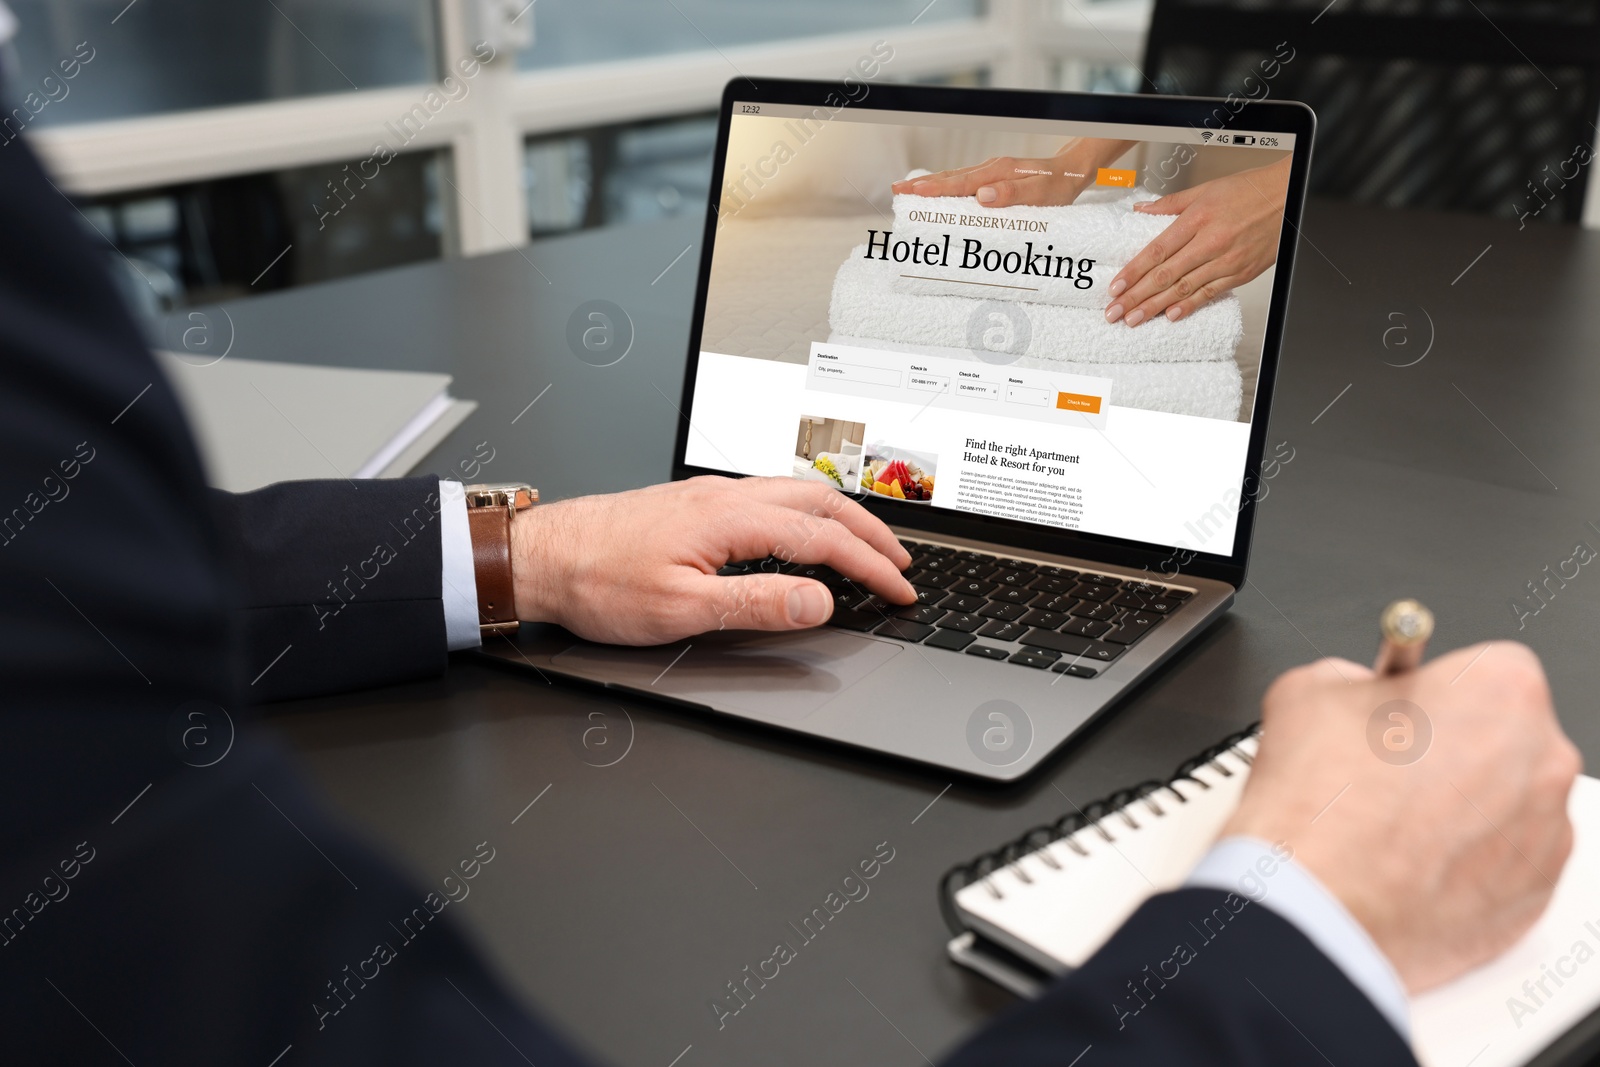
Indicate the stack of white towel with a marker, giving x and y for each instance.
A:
(1185, 367)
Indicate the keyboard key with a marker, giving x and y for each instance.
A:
(1064, 603)
(1093, 592)
(954, 640)
(1076, 670)
(1001, 630)
(963, 602)
(1005, 577)
(1123, 635)
(1055, 572)
(1018, 564)
(975, 569)
(1049, 620)
(1034, 657)
(932, 562)
(1066, 644)
(1143, 620)
(988, 652)
(912, 547)
(960, 620)
(818, 571)
(972, 587)
(1093, 609)
(734, 569)
(936, 579)
(1178, 594)
(1013, 595)
(847, 598)
(1154, 605)
(923, 614)
(1085, 627)
(877, 605)
(927, 597)
(1051, 584)
(1002, 611)
(859, 621)
(904, 629)
(1102, 653)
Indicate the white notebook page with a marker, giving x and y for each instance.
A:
(1056, 907)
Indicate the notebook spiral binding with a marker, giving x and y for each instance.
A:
(1090, 814)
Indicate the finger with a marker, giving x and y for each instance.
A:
(1125, 287)
(1336, 668)
(757, 602)
(1205, 281)
(1032, 189)
(943, 183)
(1204, 293)
(1171, 204)
(826, 502)
(963, 182)
(1136, 306)
(761, 530)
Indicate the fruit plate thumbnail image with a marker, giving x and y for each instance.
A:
(899, 473)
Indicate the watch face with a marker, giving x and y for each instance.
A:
(517, 495)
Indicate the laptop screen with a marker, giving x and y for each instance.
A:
(1058, 323)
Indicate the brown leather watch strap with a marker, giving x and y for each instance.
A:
(490, 509)
(491, 563)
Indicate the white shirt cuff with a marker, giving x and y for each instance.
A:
(1251, 868)
(458, 583)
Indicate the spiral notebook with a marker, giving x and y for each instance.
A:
(1043, 904)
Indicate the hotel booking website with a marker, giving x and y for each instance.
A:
(1060, 323)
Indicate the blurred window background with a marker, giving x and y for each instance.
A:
(587, 31)
(175, 55)
(222, 150)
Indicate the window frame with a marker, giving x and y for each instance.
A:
(1020, 41)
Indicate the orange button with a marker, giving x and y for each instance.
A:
(1124, 178)
(1078, 402)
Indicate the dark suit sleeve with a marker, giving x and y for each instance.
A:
(338, 583)
(1196, 977)
(170, 890)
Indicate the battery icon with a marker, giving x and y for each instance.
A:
(1243, 138)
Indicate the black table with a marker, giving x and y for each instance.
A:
(627, 897)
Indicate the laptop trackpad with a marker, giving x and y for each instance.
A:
(782, 676)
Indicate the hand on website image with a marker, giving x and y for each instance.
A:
(829, 451)
(1148, 264)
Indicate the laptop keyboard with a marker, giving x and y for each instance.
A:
(1073, 622)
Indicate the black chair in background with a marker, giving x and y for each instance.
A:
(1486, 106)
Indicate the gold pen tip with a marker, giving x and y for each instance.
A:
(1407, 622)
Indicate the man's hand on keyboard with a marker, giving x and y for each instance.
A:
(1433, 803)
(641, 567)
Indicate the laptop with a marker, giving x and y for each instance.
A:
(1077, 494)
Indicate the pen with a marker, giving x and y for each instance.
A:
(1406, 626)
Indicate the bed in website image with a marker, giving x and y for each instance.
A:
(813, 245)
(828, 450)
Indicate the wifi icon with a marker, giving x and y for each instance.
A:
(1205, 135)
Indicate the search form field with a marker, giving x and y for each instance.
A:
(1028, 394)
(1035, 394)
(855, 372)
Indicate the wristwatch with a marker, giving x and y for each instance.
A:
(490, 508)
